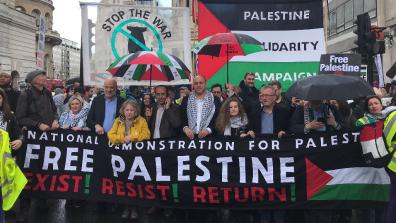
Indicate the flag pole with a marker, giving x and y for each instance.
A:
(227, 65)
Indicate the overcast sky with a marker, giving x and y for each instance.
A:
(67, 17)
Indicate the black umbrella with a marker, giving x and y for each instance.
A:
(329, 86)
(392, 71)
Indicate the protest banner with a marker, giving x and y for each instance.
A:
(291, 32)
(110, 32)
(315, 171)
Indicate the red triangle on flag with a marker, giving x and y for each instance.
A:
(209, 25)
(156, 75)
(316, 178)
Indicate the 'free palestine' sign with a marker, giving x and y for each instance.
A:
(345, 64)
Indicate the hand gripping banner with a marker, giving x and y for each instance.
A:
(321, 171)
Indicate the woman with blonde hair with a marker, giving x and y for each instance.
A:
(76, 116)
(130, 126)
(232, 120)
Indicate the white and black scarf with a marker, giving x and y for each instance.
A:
(235, 123)
(208, 110)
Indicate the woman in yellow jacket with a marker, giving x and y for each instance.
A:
(129, 127)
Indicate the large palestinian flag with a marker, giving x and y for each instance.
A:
(291, 32)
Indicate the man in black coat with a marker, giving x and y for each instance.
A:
(12, 94)
(199, 110)
(249, 94)
(269, 117)
(104, 108)
(164, 118)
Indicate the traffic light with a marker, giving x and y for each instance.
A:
(363, 25)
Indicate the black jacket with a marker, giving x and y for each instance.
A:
(280, 119)
(170, 122)
(12, 96)
(249, 97)
(184, 117)
(297, 123)
(96, 113)
(34, 107)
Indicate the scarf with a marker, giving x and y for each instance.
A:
(235, 122)
(75, 118)
(208, 110)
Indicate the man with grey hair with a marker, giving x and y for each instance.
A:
(270, 118)
(105, 108)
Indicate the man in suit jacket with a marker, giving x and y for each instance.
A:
(105, 108)
(270, 118)
(164, 118)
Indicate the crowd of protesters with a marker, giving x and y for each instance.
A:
(137, 114)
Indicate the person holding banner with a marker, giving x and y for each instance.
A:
(104, 108)
(370, 126)
(76, 117)
(232, 120)
(130, 126)
(35, 107)
(9, 123)
(199, 110)
(316, 116)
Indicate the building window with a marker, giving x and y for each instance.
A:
(370, 7)
(48, 21)
(358, 7)
(348, 14)
(340, 18)
(36, 13)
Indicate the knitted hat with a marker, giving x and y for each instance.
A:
(33, 74)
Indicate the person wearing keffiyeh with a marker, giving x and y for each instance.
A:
(76, 117)
(199, 110)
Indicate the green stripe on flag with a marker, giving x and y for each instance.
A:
(286, 72)
(251, 48)
(355, 192)
(139, 71)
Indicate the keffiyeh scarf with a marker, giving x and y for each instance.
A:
(208, 110)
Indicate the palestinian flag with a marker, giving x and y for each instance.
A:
(347, 183)
(291, 33)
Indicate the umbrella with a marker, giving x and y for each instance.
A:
(329, 86)
(159, 67)
(221, 44)
(392, 71)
